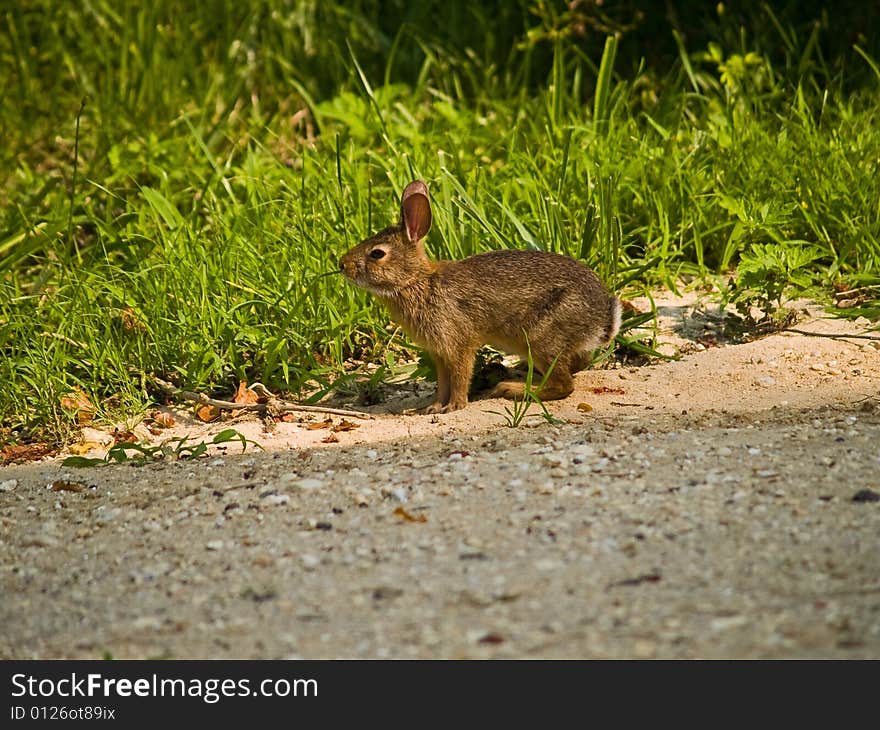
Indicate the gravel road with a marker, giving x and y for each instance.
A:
(747, 526)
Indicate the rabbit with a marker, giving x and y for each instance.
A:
(513, 300)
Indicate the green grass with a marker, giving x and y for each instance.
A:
(229, 153)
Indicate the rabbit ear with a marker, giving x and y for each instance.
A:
(415, 210)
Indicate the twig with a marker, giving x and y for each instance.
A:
(857, 290)
(274, 405)
(837, 336)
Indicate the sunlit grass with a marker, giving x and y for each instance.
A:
(223, 171)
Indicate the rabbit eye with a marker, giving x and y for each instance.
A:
(377, 253)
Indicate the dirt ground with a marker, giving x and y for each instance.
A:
(724, 504)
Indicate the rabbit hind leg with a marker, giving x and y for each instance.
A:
(559, 383)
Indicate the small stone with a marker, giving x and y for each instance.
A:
(104, 516)
(278, 499)
(371, 454)
(400, 494)
(8, 485)
(307, 484)
(214, 545)
(309, 561)
(545, 565)
(765, 381)
(726, 623)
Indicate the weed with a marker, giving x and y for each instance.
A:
(183, 220)
(178, 448)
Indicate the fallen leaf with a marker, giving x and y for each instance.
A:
(866, 495)
(289, 418)
(331, 439)
(162, 419)
(77, 402)
(84, 447)
(62, 485)
(319, 424)
(605, 389)
(243, 395)
(491, 638)
(344, 425)
(638, 580)
(26, 452)
(124, 437)
(130, 321)
(206, 414)
(407, 517)
(585, 407)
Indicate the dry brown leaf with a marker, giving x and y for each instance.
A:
(62, 485)
(605, 389)
(492, 638)
(407, 517)
(243, 395)
(331, 439)
(344, 425)
(84, 447)
(585, 407)
(320, 424)
(288, 418)
(78, 402)
(123, 437)
(130, 321)
(206, 414)
(162, 419)
(26, 452)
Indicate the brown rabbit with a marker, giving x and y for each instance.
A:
(512, 300)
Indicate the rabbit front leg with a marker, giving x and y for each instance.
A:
(442, 396)
(453, 383)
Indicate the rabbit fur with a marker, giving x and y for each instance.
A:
(512, 300)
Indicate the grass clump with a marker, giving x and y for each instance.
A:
(228, 153)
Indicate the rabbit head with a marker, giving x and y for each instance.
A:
(395, 257)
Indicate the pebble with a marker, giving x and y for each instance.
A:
(278, 498)
(8, 485)
(765, 381)
(725, 623)
(214, 545)
(309, 561)
(104, 516)
(307, 484)
(545, 565)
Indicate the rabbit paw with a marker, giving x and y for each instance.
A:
(441, 408)
(509, 389)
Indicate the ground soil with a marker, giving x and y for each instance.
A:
(722, 504)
